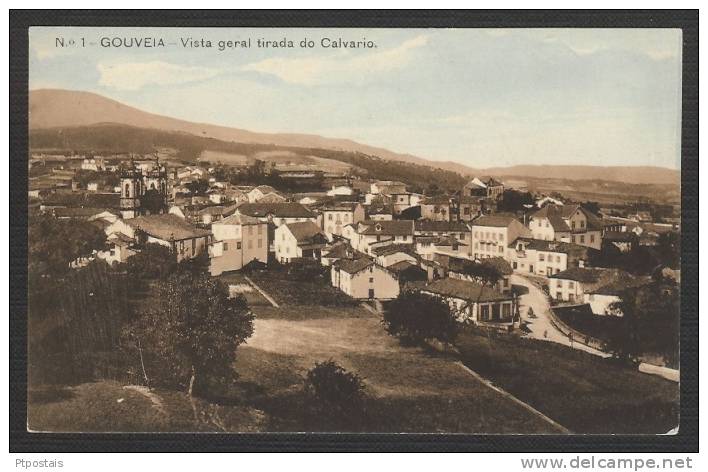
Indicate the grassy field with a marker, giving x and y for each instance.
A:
(108, 406)
(583, 392)
(253, 296)
(287, 291)
(408, 390)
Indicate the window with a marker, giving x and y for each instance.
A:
(501, 237)
(572, 224)
(260, 243)
(250, 230)
(238, 245)
(506, 310)
(572, 239)
(476, 246)
(283, 236)
(260, 229)
(582, 223)
(501, 249)
(287, 249)
(541, 256)
(329, 216)
(371, 280)
(571, 284)
(484, 313)
(582, 239)
(466, 210)
(592, 238)
(226, 246)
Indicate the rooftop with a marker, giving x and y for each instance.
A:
(238, 219)
(500, 221)
(465, 290)
(386, 227)
(441, 226)
(306, 232)
(391, 249)
(278, 210)
(352, 266)
(166, 227)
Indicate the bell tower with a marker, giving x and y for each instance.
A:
(131, 183)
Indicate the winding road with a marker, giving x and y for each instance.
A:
(541, 326)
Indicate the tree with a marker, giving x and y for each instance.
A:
(198, 187)
(486, 274)
(514, 200)
(153, 202)
(52, 244)
(649, 322)
(333, 397)
(669, 249)
(592, 207)
(415, 316)
(190, 335)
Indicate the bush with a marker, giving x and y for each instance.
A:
(333, 397)
(306, 270)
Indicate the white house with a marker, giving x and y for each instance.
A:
(391, 254)
(492, 234)
(542, 257)
(238, 240)
(336, 216)
(120, 248)
(278, 213)
(364, 279)
(567, 223)
(299, 240)
(368, 232)
(597, 287)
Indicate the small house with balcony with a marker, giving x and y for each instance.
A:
(474, 303)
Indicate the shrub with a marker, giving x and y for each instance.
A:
(333, 397)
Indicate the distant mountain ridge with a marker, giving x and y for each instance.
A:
(53, 108)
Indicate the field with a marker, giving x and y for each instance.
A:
(408, 390)
(583, 392)
(283, 160)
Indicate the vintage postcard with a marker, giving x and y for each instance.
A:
(354, 230)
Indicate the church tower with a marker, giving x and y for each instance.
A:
(131, 189)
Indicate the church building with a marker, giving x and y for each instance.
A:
(143, 187)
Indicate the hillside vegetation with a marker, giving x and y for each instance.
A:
(115, 139)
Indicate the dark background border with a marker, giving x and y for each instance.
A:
(22, 441)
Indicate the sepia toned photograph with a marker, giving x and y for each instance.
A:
(369, 230)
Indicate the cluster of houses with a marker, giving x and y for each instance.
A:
(376, 237)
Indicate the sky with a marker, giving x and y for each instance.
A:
(480, 97)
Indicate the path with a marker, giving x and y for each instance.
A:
(542, 327)
(262, 292)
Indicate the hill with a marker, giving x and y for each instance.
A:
(110, 138)
(52, 108)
